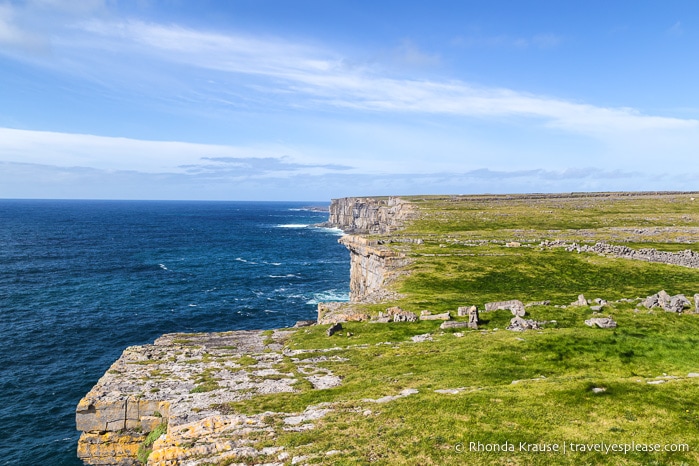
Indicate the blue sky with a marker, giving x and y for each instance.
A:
(309, 100)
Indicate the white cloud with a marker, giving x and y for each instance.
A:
(124, 154)
(317, 77)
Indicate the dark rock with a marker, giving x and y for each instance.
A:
(334, 328)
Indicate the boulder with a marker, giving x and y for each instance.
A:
(580, 302)
(678, 303)
(334, 328)
(518, 324)
(399, 315)
(651, 301)
(513, 305)
(664, 299)
(464, 310)
(601, 322)
(696, 303)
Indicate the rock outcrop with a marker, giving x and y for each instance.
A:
(372, 267)
(362, 215)
(185, 382)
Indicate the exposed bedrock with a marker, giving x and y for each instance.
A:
(371, 268)
(370, 215)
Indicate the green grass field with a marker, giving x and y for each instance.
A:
(565, 386)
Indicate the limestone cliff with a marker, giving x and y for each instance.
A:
(184, 382)
(373, 265)
(362, 215)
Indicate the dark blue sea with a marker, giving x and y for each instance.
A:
(81, 280)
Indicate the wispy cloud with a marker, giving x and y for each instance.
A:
(676, 29)
(313, 76)
(541, 41)
(123, 154)
(46, 180)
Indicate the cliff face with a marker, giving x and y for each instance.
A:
(369, 215)
(372, 265)
(183, 380)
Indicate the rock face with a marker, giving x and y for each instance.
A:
(369, 215)
(185, 381)
(372, 267)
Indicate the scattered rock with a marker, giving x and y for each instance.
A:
(518, 324)
(599, 390)
(669, 303)
(596, 308)
(678, 303)
(696, 303)
(693, 374)
(422, 338)
(334, 328)
(400, 315)
(463, 311)
(580, 302)
(655, 382)
(513, 305)
(601, 322)
(538, 303)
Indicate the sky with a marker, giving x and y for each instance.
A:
(319, 99)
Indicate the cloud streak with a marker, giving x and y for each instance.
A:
(312, 76)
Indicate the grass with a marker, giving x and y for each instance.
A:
(145, 449)
(534, 387)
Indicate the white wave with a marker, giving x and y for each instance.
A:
(192, 305)
(328, 296)
(334, 231)
(281, 276)
(162, 266)
(240, 259)
(293, 225)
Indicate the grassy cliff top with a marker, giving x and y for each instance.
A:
(493, 396)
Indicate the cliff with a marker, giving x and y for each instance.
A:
(366, 215)
(373, 265)
(183, 383)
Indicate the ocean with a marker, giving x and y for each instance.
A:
(82, 280)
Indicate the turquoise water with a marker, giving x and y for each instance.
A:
(81, 280)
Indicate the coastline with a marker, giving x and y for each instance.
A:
(216, 371)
